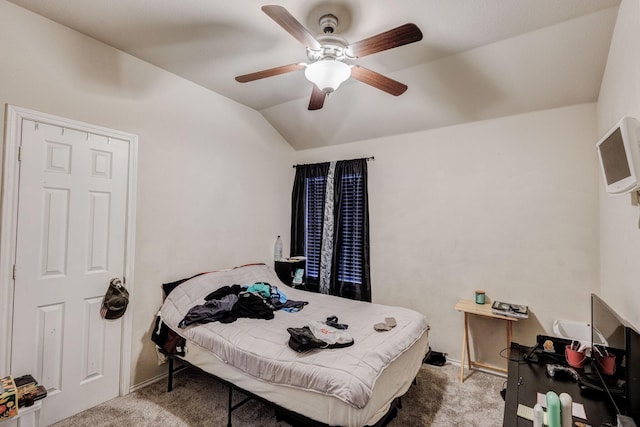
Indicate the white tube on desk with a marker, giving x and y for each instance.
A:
(566, 405)
(538, 416)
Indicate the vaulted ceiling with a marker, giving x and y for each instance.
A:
(478, 59)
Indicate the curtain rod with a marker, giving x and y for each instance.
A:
(366, 158)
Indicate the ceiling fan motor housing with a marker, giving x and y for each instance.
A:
(333, 46)
(328, 23)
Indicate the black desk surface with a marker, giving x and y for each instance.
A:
(525, 380)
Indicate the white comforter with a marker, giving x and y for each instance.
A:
(260, 347)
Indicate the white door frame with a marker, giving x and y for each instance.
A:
(9, 227)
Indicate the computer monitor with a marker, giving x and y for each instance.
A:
(612, 336)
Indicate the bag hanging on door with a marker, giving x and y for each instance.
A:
(115, 301)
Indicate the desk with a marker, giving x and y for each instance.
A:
(525, 380)
(470, 307)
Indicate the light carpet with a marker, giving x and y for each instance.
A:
(437, 399)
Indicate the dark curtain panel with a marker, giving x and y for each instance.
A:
(351, 228)
(299, 203)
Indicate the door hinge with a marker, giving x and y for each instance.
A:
(20, 153)
(14, 272)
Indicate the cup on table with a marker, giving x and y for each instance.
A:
(607, 363)
(479, 297)
(575, 358)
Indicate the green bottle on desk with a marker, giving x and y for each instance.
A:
(553, 410)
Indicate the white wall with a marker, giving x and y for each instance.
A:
(619, 227)
(214, 178)
(506, 205)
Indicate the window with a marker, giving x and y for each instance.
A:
(351, 237)
(351, 213)
(330, 227)
(315, 190)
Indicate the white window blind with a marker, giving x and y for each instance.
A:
(351, 237)
(352, 214)
(315, 188)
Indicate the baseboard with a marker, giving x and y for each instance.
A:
(148, 382)
(155, 379)
(486, 371)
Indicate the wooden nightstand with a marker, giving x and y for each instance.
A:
(470, 307)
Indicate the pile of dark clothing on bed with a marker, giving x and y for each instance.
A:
(226, 305)
(229, 303)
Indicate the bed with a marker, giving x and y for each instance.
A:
(351, 386)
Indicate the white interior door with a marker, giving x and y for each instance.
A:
(71, 240)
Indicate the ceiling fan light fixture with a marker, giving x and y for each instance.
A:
(327, 74)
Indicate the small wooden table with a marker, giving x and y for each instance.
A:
(470, 307)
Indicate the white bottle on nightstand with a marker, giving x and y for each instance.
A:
(277, 250)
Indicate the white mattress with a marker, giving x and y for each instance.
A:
(394, 381)
(350, 386)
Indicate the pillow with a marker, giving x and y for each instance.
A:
(168, 287)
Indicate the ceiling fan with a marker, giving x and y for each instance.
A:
(328, 55)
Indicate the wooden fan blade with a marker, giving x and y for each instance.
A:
(291, 25)
(378, 80)
(404, 34)
(269, 73)
(317, 99)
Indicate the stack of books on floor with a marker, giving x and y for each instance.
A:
(510, 310)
